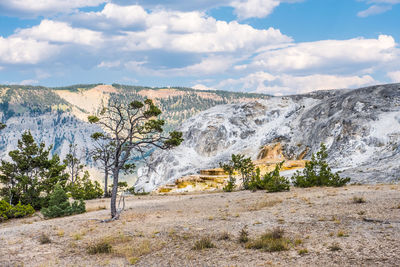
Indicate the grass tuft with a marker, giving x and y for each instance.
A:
(44, 239)
(243, 235)
(203, 243)
(100, 247)
(358, 200)
(303, 251)
(224, 236)
(334, 247)
(271, 241)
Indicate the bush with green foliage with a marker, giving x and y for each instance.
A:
(271, 181)
(229, 168)
(242, 165)
(84, 188)
(230, 186)
(60, 206)
(8, 211)
(318, 173)
(245, 167)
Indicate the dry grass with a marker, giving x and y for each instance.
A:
(303, 251)
(243, 235)
(266, 203)
(99, 247)
(44, 239)
(358, 200)
(152, 233)
(96, 208)
(342, 233)
(60, 233)
(203, 243)
(271, 241)
(224, 236)
(334, 247)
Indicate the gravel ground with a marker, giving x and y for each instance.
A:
(325, 223)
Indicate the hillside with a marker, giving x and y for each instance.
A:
(361, 129)
(324, 225)
(58, 116)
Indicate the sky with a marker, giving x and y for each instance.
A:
(275, 47)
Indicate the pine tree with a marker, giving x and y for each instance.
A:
(59, 205)
(318, 173)
(32, 174)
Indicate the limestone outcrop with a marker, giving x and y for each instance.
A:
(361, 129)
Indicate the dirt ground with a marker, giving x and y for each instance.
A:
(325, 226)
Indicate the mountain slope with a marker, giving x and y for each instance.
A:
(58, 116)
(361, 129)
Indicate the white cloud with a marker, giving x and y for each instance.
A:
(254, 8)
(112, 16)
(54, 31)
(374, 10)
(16, 50)
(109, 64)
(329, 54)
(208, 66)
(202, 87)
(245, 9)
(45, 7)
(211, 65)
(394, 76)
(377, 7)
(263, 82)
(136, 29)
(125, 15)
(28, 82)
(221, 37)
(25, 82)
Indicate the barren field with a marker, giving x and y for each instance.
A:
(356, 225)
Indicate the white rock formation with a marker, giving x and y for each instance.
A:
(361, 129)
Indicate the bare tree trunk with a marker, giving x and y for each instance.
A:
(114, 194)
(106, 183)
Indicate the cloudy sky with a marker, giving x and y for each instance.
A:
(267, 46)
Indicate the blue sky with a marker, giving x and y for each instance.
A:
(267, 46)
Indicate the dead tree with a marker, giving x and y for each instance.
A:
(130, 130)
(102, 153)
(73, 162)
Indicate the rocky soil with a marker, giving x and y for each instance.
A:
(155, 230)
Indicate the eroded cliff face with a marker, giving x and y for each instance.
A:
(361, 129)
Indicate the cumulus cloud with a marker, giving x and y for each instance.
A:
(330, 55)
(221, 37)
(263, 82)
(166, 43)
(179, 31)
(394, 76)
(254, 8)
(16, 50)
(242, 8)
(44, 7)
(61, 32)
(245, 9)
